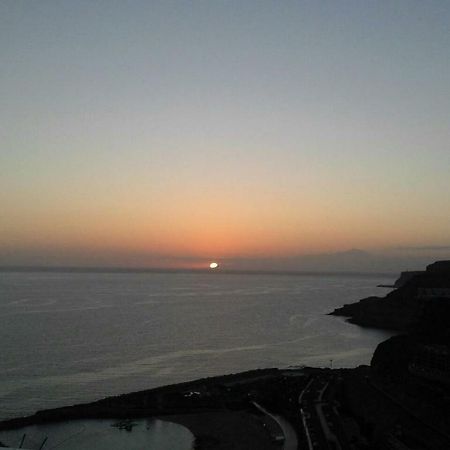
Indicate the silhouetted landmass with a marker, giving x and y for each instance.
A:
(404, 401)
(403, 308)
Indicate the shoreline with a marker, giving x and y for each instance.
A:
(228, 421)
(221, 430)
(137, 403)
(405, 389)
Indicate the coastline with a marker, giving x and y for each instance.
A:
(214, 424)
(400, 401)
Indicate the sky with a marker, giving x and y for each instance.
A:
(254, 133)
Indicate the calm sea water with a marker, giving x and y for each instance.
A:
(101, 435)
(75, 337)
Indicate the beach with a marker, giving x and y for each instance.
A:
(226, 430)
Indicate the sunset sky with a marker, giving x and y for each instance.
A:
(172, 134)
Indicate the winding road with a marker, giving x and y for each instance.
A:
(290, 436)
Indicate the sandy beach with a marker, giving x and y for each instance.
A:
(225, 430)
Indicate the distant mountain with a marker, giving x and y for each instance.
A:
(353, 260)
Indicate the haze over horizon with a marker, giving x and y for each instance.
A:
(262, 135)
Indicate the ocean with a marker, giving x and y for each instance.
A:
(72, 337)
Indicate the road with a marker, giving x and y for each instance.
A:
(318, 423)
(290, 436)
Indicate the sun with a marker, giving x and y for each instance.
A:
(213, 265)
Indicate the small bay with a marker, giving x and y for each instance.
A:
(72, 337)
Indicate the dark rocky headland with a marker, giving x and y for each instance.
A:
(401, 401)
(406, 307)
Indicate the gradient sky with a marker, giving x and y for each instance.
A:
(172, 133)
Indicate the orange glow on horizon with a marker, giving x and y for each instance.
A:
(186, 231)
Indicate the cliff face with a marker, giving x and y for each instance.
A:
(406, 276)
(399, 310)
(422, 308)
(403, 308)
(405, 399)
(441, 267)
(393, 356)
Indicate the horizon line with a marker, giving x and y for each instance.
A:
(122, 269)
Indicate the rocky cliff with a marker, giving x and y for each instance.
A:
(403, 308)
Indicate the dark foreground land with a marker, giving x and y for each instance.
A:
(401, 401)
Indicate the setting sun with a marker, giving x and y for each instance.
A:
(213, 265)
